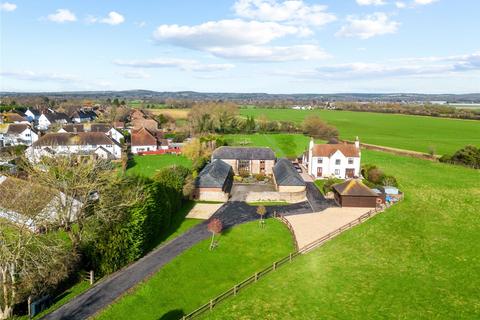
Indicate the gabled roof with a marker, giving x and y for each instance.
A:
(286, 175)
(214, 175)
(143, 137)
(17, 128)
(353, 187)
(100, 127)
(35, 112)
(13, 117)
(327, 150)
(74, 128)
(57, 116)
(71, 139)
(243, 153)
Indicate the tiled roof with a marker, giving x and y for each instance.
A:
(353, 187)
(143, 137)
(327, 150)
(286, 175)
(71, 139)
(214, 175)
(17, 128)
(243, 153)
(74, 128)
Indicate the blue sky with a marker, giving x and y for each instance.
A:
(274, 46)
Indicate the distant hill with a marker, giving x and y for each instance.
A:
(251, 97)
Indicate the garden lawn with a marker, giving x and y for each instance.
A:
(199, 274)
(417, 133)
(283, 144)
(418, 260)
(148, 165)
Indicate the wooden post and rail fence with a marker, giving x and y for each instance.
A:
(275, 265)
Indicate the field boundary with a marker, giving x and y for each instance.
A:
(398, 152)
(275, 265)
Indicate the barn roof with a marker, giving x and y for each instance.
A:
(327, 150)
(214, 175)
(286, 175)
(243, 153)
(353, 187)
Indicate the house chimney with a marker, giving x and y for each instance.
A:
(312, 143)
(310, 155)
(357, 143)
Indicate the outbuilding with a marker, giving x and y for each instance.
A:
(353, 193)
(214, 182)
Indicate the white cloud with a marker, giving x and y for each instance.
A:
(371, 2)
(7, 6)
(183, 64)
(416, 67)
(225, 33)
(113, 18)
(400, 4)
(37, 76)
(61, 16)
(424, 2)
(271, 53)
(140, 24)
(370, 26)
(290, 11)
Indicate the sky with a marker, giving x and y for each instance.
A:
(272, 46)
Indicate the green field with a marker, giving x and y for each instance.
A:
(416, 133)
(198, 274)
(418, 260)
(283, 144)
(148, 165)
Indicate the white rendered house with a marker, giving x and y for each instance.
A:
(340, 160)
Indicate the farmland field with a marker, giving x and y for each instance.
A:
(148, 165)
(415, 133)
(177, 114)
(199, 273)
(283, 144)
(418, 260)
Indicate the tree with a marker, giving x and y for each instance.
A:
(30, 263)
(215, 227)
(261, 211)
(317, 128)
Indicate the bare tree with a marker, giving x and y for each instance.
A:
(261, 211)
(215, 227)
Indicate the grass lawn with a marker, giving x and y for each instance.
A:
(419, 260)
(283, 144)
(321, 182)
(148, 165)
(199, 274)
(416, 133)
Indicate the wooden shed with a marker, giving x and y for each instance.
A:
(353, 193)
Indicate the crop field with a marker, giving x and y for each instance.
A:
(418, 260)
(177, 114)
(148, 165)
(283, 144)
(415, 133)
(198, 273)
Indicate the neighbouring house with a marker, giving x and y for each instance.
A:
(214, 182)
(340, 160)
(143, 140)
(42, 202)
(19, 134)
(13, 117)
(147, 123)
(94, 127)
(32, 114)
(3, 133)
(247, 160)
(82, 144)
(80, 116)
(47, 119)
(353, 193)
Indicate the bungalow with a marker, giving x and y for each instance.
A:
(82, 144)
(245, 160)
(340, 160)
(214, 182)
(94, 127)
(47, 119)
(20, 134)
(42, 203)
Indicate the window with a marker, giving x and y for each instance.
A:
(337, 171)
(320, 161)
(350, 160)
(338, 162)
(262, 166)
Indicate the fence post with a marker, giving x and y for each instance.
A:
(290, 257)
(211, 305)
(256, 276)
(91, 277)
(235, 290)
(274, 266)
(29, 307)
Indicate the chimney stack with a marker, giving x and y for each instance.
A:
(357, 143)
